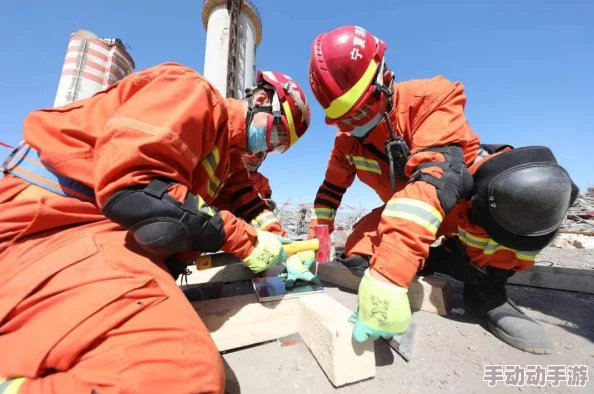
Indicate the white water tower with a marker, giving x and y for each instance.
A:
(231, 68)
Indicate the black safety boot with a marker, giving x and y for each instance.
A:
(357, 264)
(485, 295)
(449, 258)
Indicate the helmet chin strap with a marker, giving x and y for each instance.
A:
(396, 148)
(274, 109)
(388, 91)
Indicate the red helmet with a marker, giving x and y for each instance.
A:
(346, 74)
(289, 116)
(252, 161)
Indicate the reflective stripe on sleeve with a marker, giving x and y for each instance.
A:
(323, 214)
(210, 163)
(414, 211)
(264, 220)
(364, 164)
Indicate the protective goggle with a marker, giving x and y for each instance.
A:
(277, 134)
(361, 116)
(253, 161)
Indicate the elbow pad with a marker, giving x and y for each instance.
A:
(163, 225)
(456, 181)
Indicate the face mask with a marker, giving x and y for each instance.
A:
(257, 139)
(362, 131)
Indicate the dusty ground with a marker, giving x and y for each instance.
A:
(449, 352)
(573, 258)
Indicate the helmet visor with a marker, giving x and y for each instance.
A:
(360, 117)
(278, 136)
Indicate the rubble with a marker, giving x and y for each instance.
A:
(295, 218)
(581, 214)
(577, 230)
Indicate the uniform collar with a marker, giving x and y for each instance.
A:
(236, 124)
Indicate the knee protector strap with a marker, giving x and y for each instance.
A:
(456, 181)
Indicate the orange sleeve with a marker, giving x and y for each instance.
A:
(170, 119)
(247, 203)
(340, 175)
(261, 184)
(412, 217)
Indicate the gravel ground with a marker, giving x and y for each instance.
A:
(572, 258)
(449, 352)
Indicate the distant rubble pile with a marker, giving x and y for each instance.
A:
(577, 230)
(295, 218)
(581, 214)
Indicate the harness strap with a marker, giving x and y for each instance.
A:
(24, 162)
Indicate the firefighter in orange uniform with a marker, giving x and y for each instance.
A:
(261, 184)
(99, 205)
(412, 144)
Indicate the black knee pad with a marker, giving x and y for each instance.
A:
(163, 225)
(521, 197)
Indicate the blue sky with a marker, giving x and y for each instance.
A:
(528, 66)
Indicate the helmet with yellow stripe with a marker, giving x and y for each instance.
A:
(349, 78)
(289, 113)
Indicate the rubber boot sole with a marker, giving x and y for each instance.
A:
(527, 346)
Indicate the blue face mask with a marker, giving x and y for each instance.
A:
(362, 131)
(257, 139)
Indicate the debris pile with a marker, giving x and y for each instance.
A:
(581, 214)
(295, 218)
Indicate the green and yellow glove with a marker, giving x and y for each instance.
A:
(298, 268)
(267, 252)
(384, 310)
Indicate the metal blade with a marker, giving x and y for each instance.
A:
(403, 344)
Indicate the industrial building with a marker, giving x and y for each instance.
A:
(91, 65)
(233, 32)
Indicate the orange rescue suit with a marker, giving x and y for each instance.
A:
(261, 184)
(94, 310)
(426, 113)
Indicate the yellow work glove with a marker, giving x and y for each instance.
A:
(384, 310)
(267, 252)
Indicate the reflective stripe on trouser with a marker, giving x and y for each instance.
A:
(323, 214)
(489, 247)
(364, 164)
(264, 220)
(11, 386)
(210, 163)
(415, 211)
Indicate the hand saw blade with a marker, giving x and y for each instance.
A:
(403, 344)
